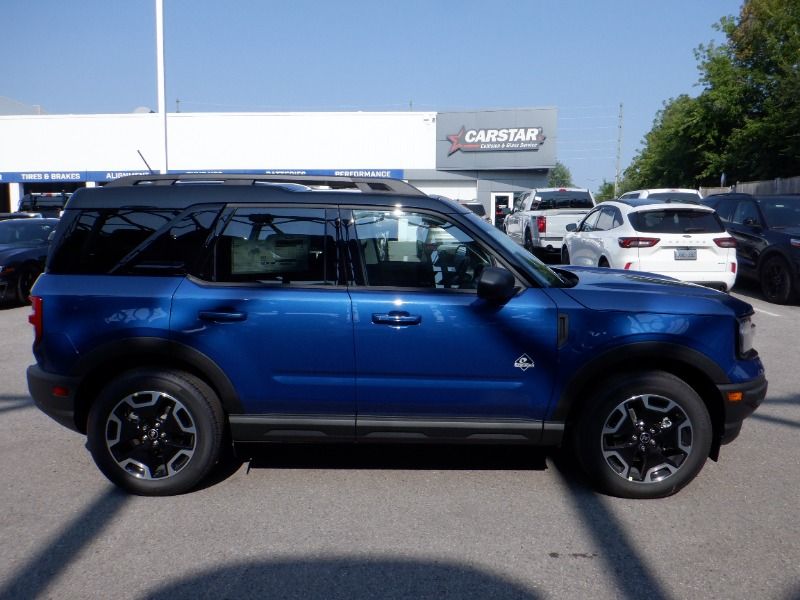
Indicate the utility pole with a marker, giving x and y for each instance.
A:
(162, 93)
(619, 152)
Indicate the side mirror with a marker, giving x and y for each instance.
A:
(572, 227)
(750, 222)
(496, 285)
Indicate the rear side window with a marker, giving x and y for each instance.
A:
(95, 241)
(675, 221)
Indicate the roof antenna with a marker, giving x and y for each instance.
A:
(144, 160)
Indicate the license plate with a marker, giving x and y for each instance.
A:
(686, 254)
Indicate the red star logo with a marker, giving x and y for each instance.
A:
(455, 141)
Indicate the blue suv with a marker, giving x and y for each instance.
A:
(180, 316)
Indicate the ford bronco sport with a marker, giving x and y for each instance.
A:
(180, 315)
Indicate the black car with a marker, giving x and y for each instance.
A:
(767, 232)
(23, 250)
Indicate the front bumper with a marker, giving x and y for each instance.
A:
(61, 408)
(753, 393)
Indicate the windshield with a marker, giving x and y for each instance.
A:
(675, 197)
(21, 232)
(562, 199)
(781, 212)
(544, 275)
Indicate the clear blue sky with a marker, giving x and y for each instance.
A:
(583, 57)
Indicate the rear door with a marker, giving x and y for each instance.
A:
(433, 360)
(270, 312)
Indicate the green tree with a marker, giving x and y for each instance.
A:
(559, 176)
(605, 191)
(745, 121)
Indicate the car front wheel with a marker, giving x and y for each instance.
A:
(156, 432)
(644, 436)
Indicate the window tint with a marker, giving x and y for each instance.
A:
(179, 249)
(675, 221)
(724, 207)
(407, 249)
(563, 199)
(781, 212)
(277, 245)
(606, 220)
(95, 241)
(589, 222)
(746, 211)
(676, 197)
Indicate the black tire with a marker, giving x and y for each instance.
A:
(25, 280)
(528, 241)
(156, 432)
(775, 277)
(671, 427)
(603, 263)
(564, 255)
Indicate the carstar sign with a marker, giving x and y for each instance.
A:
(496, 140)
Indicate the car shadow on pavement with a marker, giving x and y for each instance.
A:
(31, 579)
(784, 401)
(333, 578)
(394, 456)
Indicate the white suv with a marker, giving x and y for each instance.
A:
(681, 240)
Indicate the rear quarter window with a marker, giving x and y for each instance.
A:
(675, 221)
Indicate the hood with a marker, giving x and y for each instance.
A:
(635, 291)
(10, 252)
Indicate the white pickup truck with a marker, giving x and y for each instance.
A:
(540, 217)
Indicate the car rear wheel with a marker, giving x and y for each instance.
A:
(776, 280)
(156, 432)
(27, 277)
(644, 436)
(528, 241)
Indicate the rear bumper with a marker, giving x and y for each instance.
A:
(753, 393)
(60, 408)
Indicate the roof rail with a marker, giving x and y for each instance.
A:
(367, 185)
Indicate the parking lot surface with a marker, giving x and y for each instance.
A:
(402, 522)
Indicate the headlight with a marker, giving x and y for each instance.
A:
(747, 333)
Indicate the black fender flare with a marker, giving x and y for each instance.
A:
(621, 357)
(152, 350)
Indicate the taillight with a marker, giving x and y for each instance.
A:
(725, 242)
(637, 242)
(35, 318)
(627, 266)
(541, 224)
(733, 268)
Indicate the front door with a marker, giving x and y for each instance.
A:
(432, 359)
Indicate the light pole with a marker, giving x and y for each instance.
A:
(162, 88)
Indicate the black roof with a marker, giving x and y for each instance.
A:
(181, 191)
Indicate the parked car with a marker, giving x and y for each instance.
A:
(683, 195)
(477, 207)
(767, 232)
(176, 315)
(23, 250)
(539, 217)
(684, 241)
(48, 204)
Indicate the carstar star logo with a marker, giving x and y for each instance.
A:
(509, 139)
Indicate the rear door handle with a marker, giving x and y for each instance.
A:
(396, 318)
(219, 316)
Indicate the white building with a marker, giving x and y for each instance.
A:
(487, 155)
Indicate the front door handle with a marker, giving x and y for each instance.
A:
(398, 318)
(221, 316)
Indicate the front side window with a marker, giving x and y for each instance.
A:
(746, 213)
(395, 248)
(277, 246)
(589, 222)
(606, 220)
